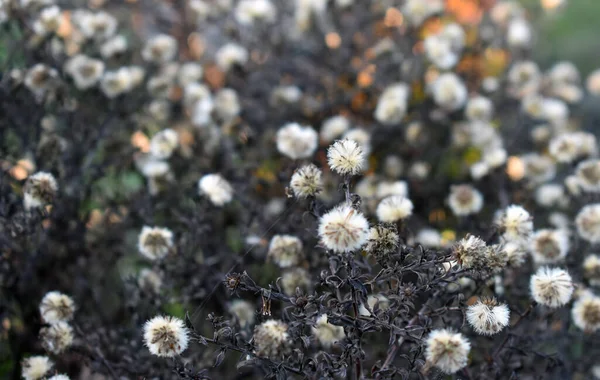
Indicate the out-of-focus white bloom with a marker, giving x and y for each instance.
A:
(455, 34)
(374, 299)
(550, 194)
(160, 86)
(387, 188)
(393, 166)
(227, 104)
(195, 92)
(518, 34)
(538, 168)
(417, 11)
(566, 147)
(57, 337)
(200, 10)
(549, 246)
(555, 111)
(515, 253)
(159, 110)
(479, 170)
(439, 51)
(346, 157)
(429, 238)
(35, 367)
(48, 21)
(307, 181)
(296, 141)
(164, 143)
(586, 313)
(39, 190)
(149, 281)
(449, 92)
(285, 250)
(588, 175)
(56, 307)
(552, 287)
(155, 242)
(216, 188)
(591, 269)
(230, 55)
(326, 333)
(588, 223)
(465, 200)
(243, 311)
(285, 95)
(487, 316)
(524, 79)
(295, 278)
(40, 78)
(592, 82)
(343, 229)
(361, 136)
(151, 167)
(446, 350)
(563, 73)
(490, 84)
(392, 104)
(99, 25)
(419, 170)
(59, 377)
(479, 108)
(189, 72)
(495, 157)
(333, 128)
(271, 339)
(394, 208)
(161, 48)
(113, 46)
(114, 83)
(85, 71)
(166, 336)
(516, 223)
(249, 12)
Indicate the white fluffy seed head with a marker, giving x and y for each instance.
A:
(487, 316)
(588, 223)
(149, 280)
(346, 157)
(296, 141)
(155, 242)
(285, 251)
(56, 307)
(591, 269)
(243, 311)
(549, 246)
(394, 208)
(446, 350)
(392, 104)
(231, 55)
(166, 336)
(326, 333)
(465, 200)
(379, 300)
(271, 339)
(295, 278)
(160, 49)
(333, 128)
(516, 223)
(586, 313)
(57, 337)
(449, 92)
(35, 367)
(515, 253)
(85, 71)
(216, 188)
(307, 181)
(588, 175)
(383, 240)
(164, 143)
(552, 287)
(479, 108)
(39, 190)
(343, 229)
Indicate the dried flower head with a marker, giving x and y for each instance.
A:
(155, 242)
(449, 92)
(515, 253)
(343, 229)
(285, 250)
(39, 190)
(588, 175)
(446, 350)
(85, 71)
(383, 239)
(392, 104)
(307, 181)
(35, 367)
(549, 246)
(552, 287)
(40, 79)
(487, 316)
(271, 339)
(160, 49)
(216, 188)
(164, 143)
(394, 208)
(333, 128)
(296, 141)
(588, 223)
(326, 333)
(591, 269)
(149, 281)
(586, 313)
(346, 157)
(515, 223)
(166, 336)
(57, 337)
(48, 21)
(479, 108)
(465, 200)
(295, 278)
(56, 307)
(243, 311)
(231, 55)
(471, 252)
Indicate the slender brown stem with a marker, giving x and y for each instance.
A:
(508, 333)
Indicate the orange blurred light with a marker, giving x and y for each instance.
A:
(515, 168)
(465, 11)
(551, 4)
(393, 18)
(333, 40)
(140, 141)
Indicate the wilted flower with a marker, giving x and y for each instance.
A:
(449, 92)
(394, 208)
(85, 71)
(230, 55)
(296, 141)
(243, 311)
(56, 307)
(39, 190)
(285, 250)
(392, 104)
(295, 278)
(155, 242)
(472, 252)
(465, 200)
(549, 246)
(166, 336)
(57, 337)
(346, 157)
(326, 333)
(40, 78)
(516, 223)
(307, 181)
(271, 339)
(588, 223)
(383, 239)
(586, 313)
(160, 49)
(216, 188)
(343, 229)
(164, 143)
(35, 367)
(447, 350)
(552, 287)
(487, 316)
